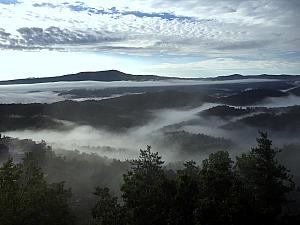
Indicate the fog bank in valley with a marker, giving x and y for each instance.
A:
(117, 145)
(49, 92)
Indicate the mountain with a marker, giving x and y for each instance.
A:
(115, 75)
(262, 76)
(114, 114)
(285, 119)
(104, 76)
(295, 91)
(250, 97)
(226, 112)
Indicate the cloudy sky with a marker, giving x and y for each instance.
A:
(189, 38)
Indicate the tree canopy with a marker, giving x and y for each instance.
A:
(253, 188)
(26, 198)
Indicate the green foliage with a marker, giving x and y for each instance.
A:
(187, 191)
(26, 198)
(4, 150)
(146, 190)
(107, 210)
(216, 186)
(251, 190)
(266, 180)
(81, 171)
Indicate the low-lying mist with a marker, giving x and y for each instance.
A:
(124, 145)
(49, 92)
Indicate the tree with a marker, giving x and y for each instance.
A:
(107, 210)
(187, 185)
(27, 199)
(267, 181)
(250, 191)
(4, 149)
(146, 190)
(217, 184)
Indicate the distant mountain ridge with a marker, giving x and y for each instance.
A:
(262, 76)
(115, 75)
(105, 76)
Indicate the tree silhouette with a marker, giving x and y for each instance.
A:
(266, 181)
(107, 210)
(27, 199)
(146, 190)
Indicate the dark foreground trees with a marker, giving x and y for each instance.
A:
(107, 209)
(266, 182)
(27, 199)
(251, 190)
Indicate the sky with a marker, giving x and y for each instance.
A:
(187, 38)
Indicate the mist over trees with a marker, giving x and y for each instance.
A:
(253, 188)
(27, 198)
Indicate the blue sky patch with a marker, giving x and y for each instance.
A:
(81, 7)
(49, 5)
(167, 16)
(8, 2)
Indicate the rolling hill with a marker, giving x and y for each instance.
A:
(115, 75)
(250, 97)
(104, 76)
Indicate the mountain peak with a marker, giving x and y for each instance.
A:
(103, 76)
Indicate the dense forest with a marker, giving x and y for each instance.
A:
(40, 187)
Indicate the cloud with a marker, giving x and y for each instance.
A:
(198, 28)
(82, 7)
(55, 36)
(172, 27)
(4, 34)
(225, 66)
(244, 45)
(245, 11)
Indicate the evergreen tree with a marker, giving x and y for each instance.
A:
(267, 181)
(146, 191)
(107, 210)
(219, 192)
(187, 191)
(27, 199)
(216, 189)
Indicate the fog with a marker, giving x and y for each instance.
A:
(101, 98)
(168, 117)
(48, 92)
(116, 145)
(126, 145)
(12, 96)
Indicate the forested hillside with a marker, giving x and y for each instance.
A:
(44, 188)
